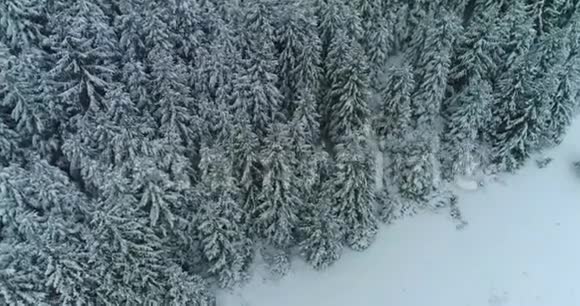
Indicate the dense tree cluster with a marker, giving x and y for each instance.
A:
(149, 148)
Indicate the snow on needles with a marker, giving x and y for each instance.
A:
(520, 249)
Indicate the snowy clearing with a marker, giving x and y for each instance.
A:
(519, 249)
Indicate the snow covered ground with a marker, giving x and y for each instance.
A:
(521, 248)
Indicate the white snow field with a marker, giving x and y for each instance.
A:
(521, 248)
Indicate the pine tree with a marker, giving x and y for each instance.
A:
(412, 167)
(223, 236)
(478, 50)
(352, 187)
(171, 100)
(155, 25)
(378, 37)
(256, 86)
(44, 239)
(303, 78)
(550, 54)
(416, 24)
(520, 127)
(346, 101)
(341, 31)
(305, 126)
(304, 138)
(516, 35)
(516, 38)
(564, 100)
(468, 108)
(396, 14)
(256, 94)
(552, 50)
(395, 114)
(320, 232)
(276, 214)
(225, 247)
(186, 289)
(299, 60)
(25, 102)
(175, 112)
(330, 19)
(215, 79)
(130, 26)
(432, 73)
(188, 18)
(159, 196)
(84, 50)
(468, 116)
(247, 168)
(432, 69)
(322, 243)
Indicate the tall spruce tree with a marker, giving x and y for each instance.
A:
(416, 23)
(517, 113)
(222, 233)
(247, 167)
(517, 34)
(276, 215)
(341, 32)
(320, 232)
(432, 69)
(395, 13)
(299, 59)
(432, 75)
(347, 98)
(520, 128)
(215, 75)
(412, 167)
(551, 52)
(85, 48)
(468, 115)
(27, 105)
(468, 107)
(176, 115)
(478, 50)
(378, 36)
(322, 243)
(564, 100)
(353, 190)
(256, 86)
(395, 114)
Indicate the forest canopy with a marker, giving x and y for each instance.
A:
(151, 150)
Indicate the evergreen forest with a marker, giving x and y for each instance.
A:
(151, 151)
